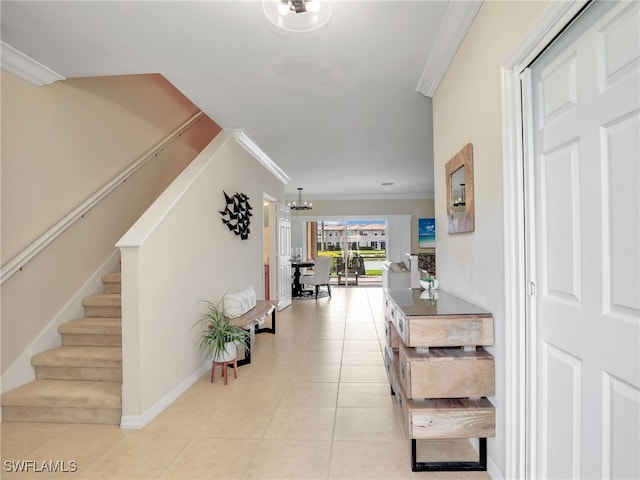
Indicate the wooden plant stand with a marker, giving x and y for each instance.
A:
(224, 365)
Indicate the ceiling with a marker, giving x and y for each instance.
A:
(340, 110)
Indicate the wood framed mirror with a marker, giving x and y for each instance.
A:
(460, 202)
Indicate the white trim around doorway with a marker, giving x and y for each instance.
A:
(518, 383)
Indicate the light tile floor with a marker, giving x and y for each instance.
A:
(314, 404)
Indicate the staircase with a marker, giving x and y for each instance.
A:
(80, 381)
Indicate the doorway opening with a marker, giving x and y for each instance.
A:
(357, 249)
(269, 246)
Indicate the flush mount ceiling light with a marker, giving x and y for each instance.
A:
(300, 205)
(297, 15)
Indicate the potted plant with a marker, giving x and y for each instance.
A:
(428, 283)
(219, 337)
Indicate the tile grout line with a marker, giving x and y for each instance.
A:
(335, 416)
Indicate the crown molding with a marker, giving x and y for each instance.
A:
(367, 196)
(257, 153)
(454, 27)
(25, 67)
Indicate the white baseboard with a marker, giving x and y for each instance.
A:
(493, 471)
(140, 421)
(21, 371)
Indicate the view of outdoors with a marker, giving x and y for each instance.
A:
(358, 247)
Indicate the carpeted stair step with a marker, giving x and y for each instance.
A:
(96, 364)
(59, 401)
(111, 283)
(103, 305)
(95, 331)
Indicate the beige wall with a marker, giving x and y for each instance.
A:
(178, 254)
(418, 208)
(61, 143)
(467, 108)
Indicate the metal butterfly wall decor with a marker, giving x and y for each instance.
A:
(236, 214)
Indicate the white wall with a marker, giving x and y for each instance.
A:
(64, 141)
(467, 108)
(178, 254)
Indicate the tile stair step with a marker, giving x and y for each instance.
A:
(59, 401)
(96, 331)
(112, 282)
(103, 305)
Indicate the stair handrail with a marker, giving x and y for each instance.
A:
(20, 260)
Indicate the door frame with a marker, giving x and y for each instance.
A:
(519, 382)
(269, 213)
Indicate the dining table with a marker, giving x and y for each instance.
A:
(296, 288)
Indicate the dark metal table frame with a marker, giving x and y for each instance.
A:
(480, 465)
(272, 329)
(296, 288)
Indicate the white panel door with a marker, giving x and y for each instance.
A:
(283, 293)
(584, 255)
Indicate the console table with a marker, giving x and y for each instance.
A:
(439, 371)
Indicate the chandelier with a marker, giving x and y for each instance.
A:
(300, 205)
(297, 15)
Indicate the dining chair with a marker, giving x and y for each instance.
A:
(320, 276)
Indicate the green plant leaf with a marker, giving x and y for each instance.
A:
(217, 329)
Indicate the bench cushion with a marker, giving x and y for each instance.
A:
(236, 304)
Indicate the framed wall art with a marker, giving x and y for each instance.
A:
(426, 232)
(237, 214)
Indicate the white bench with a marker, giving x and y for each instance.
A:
(250, 314)
(256, 317)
